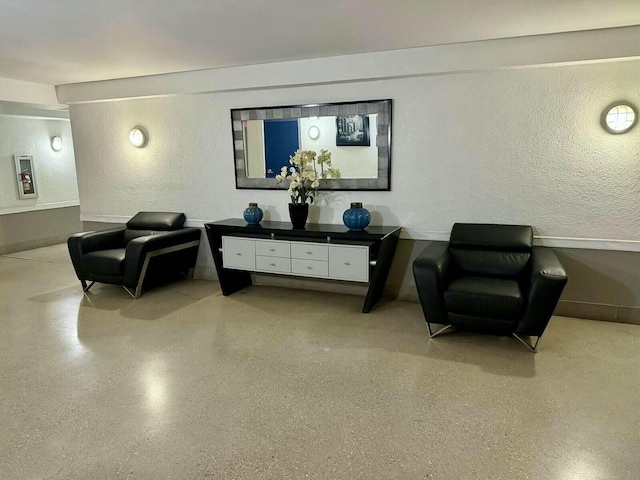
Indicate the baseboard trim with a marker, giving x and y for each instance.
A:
(588, 243)
(565, 308)
(543, 241)
(31, 244)
(36, 207)
(122, 219)
(598, 311)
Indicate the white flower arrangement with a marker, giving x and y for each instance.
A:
(303, 175)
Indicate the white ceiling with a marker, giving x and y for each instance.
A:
(70, 41)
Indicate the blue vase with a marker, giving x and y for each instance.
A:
(356, 218)
(253, 214)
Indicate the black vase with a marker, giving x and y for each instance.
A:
(298, 212)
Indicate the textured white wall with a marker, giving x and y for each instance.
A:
(55, 171)
(504, 146)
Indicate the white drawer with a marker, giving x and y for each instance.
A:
(310, 251)
(238, 253)
(272, 248)
(349, 263)
(309, 268)
(273, 264)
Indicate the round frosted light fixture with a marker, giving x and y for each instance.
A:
(138, 137)
(56, 144)
(314, 132)
(620, 118)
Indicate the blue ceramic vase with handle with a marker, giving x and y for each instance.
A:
(356, 218)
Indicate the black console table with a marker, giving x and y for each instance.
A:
(319, 251)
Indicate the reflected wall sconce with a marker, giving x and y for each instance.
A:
(314, 132)
(138, 137)
(619, 117)
(56, 144)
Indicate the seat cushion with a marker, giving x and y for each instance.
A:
(105, 262)
(485, 297)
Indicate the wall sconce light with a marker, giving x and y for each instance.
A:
(138, 137)
(619, 118)
(56, 144)
(314, 132)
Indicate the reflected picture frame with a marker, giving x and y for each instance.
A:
(352, 131)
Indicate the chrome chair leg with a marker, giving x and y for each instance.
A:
(85, 287)
(188, 275)
(432, 334)
(135, 294)
(528, 344)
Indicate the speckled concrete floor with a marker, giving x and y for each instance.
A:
(185, 383)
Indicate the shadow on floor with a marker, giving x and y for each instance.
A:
(501, 355)
(392, 325)
(154, 304)
(324, 318)
(56, 295)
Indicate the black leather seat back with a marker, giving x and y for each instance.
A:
(156, 221)
(491, 250)
(152, 223)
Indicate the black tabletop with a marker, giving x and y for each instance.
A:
(310, 230)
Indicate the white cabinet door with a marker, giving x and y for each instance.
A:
(349, 263)
(238, 253)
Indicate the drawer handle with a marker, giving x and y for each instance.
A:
(309, 253)
(272, 264)
(272, 249)
(347, 264)
(239, 254)
(309, 268)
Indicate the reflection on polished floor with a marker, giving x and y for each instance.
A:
(269, 383)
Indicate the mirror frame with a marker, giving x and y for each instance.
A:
(383, 140)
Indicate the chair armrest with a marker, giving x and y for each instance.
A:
(430, 273)
(548, 279)
(139, 248)
(101, 240)
(86, 242)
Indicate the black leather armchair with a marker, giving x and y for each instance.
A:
(153, 245)
(489, 278)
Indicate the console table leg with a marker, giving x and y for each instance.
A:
(381, 271)
(233, 280)
(230, 280)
